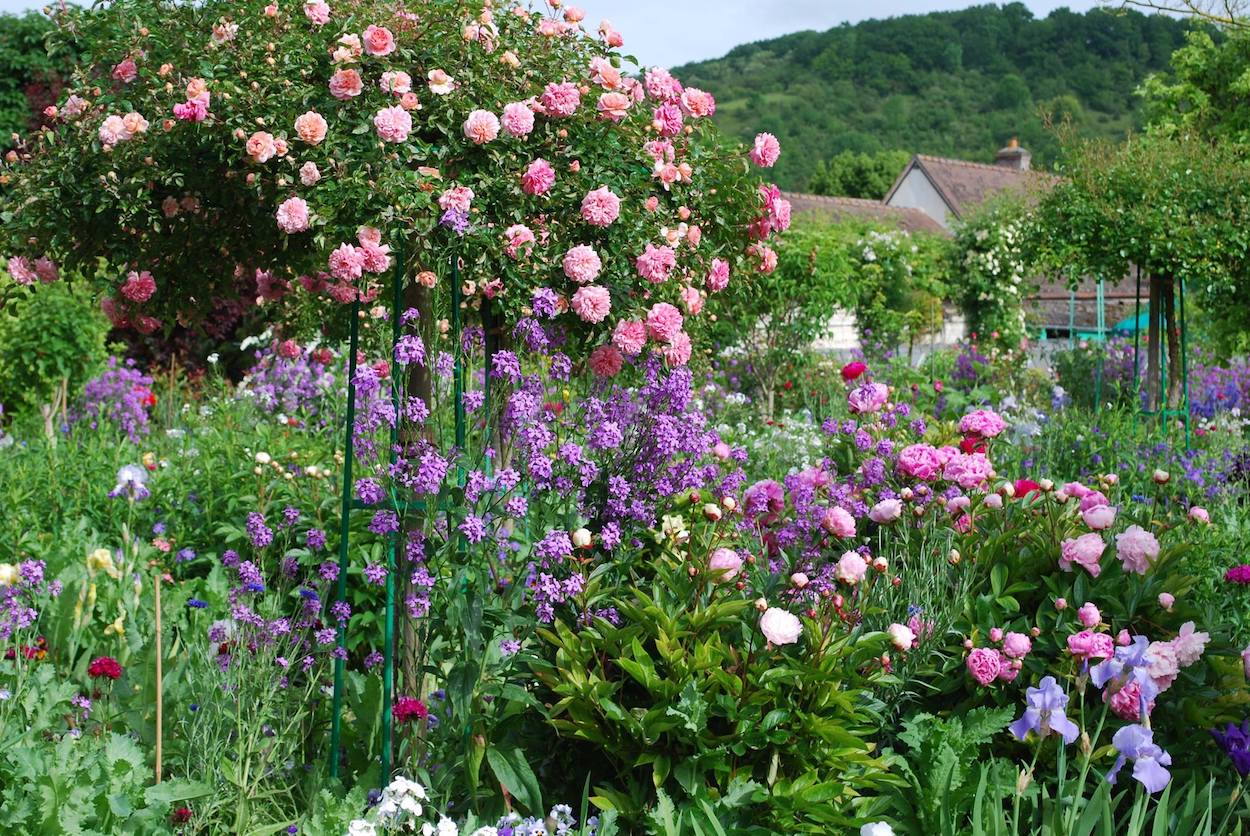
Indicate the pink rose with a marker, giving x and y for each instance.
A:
(112, 131)
(1087, 645)
(192, 110)
(591, 303)
(604, 74)
(668, 119)
(293, 215)
(661, 85)
(766, 150)
(20, 270)
(656, 263)
(780, 627)
(518, 119)
(347, 263)
(718, 276)
(838, 522)
(378, 40)
(582, 264)
(1017, 645)
(1088, 615)
(851, 568)
(309, 174)
(311, 127)
(1099, 517)
(606, 361)
(393, 124)
(920, 461)
(692, 299)
(1085, 551)
(886, 511)
(396, 82)
(126, 71)
(1137, 549)
(538, 178)
(375, 258)
(984, 664)
(345, 84)
(318, 12)
(725, 564)
(664, 322)
(459, 198)
(697, 103)
(678, 350)
(600, 207)
(261, 147)
(440, 82)
(134, 123)
(561, 99)
(613, 106)
(139, 286)
(518, 237)
(481, 127)
(46, 270)
(630, 336)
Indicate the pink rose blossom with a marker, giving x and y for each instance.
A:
(311, 127)
(378, 40)
(1088, 615)
(600, 207)
(309, 174)
(692, 299)
(261, 147)
(440, 82)
(984, 663)
(396, 82)
(630, 336)
(1085, 551)
(582, 264)
(656, 263)
(591, 303)
(518, 119)
(20, 270)
(139, 286)
(126, 71)
(851, 568)
(606, 361)
(838, 522)
(766, 150)
(766, 256)
(459, 198)
(112, 131)
(318, 12)
(677, 352)
(613, 106)
(519, 238)
(664, 322)
(920, 461)
(1017, 645)
(661, 85)
(192, 110)
(376, 258)
(393, 124)
(611, 38)
(725, 564)
(347, 263)
(46, 270)
(538, 178)
(345, 84)
(293, 215)
(697, 103)
(561, 99)
(668, 119)
(1099, 517)
(1137, 549)
(135, 123)
(718, 276)
(481, 127)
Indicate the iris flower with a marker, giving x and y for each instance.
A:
(1137, 742)
(1045, 713)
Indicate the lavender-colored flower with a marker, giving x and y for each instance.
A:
(249, 574)
(260, 533)
(473, 528)
(1235, 741)
(384, 522)
(131, 484)
(121, 396)
(457, 220)
(328, 570)
(1045, 713)
(185, 555)
(375, 573)
(545, 302)
(473, 400)
(1137, 743)
(410, 349)
(369, 492)
(316, 539)
(1131, 663)
(509, 647)
(373, 660)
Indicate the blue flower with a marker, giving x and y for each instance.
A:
(1129, 663)
(1045, 713)
(196, 603)
(1235, 741)
(1137, 743)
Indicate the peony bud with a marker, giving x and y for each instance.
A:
(761, 604)
(1161, 477)
(582, 538)
(799, 580)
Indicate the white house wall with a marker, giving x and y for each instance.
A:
(916, 191)
(841, 336)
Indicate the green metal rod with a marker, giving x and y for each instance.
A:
(388, 632)
(336, 722)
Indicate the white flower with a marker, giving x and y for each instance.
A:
(878, 828)
(447, 827)
(213, 358)
(360, 827)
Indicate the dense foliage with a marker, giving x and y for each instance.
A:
(30, 76)
(949, 83)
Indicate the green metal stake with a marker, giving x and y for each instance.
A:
(392, 541)
(1102, 346)
(344, 534)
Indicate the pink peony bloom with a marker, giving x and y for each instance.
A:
(345, 84)
(982, 422)
(1200, 515)
(780, 627)
(868, 398)
(375, 258)
(1085, 551)
(378, 40)
(139, 286)
(656, 263)
(311, 127)
(481, 127)
(1017, 645)
(1164, 666)
(766, 150)
(984, 663)
(347, 263)
(582, 264)
(1099, 517)
(606, 361)
(851, 568)
(886, 511)
(126, 71)
(1137, 549)
(518, 119)
(1126, 702)
(967, 470)
(591, 303)
(901, 636)
(613, 106)
(538, 178)
(838, 522)
(630, 336)
(309, 174)
(677, 352)
(697, 103)
(1087, 645)
(519, 240)
(718, 276)
(725, 564)
(920, 461)
(393, 124)
(1189, 644)
(664, 322)
(692, 299)
(600, 207)
(1008, 672)
(1076, 489)
(261, 147)
(293, 215)
(561, 99)
(318, 12)
(20, 270)
(1088, 615)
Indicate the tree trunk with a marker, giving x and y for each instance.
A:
(1153, 366)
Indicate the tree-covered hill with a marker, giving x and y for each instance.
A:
(949, 83)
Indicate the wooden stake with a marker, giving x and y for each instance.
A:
(160, 713)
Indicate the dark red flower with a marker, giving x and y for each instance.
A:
(1024, 487)
(409, 708)
(105, 666)
(853, 370)
(972, 444)
(180, 816)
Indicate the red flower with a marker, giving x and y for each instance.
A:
(104, 666)
(181, 816)
(853, 370)
(1024, 487)
(972, 445)
(409, 708)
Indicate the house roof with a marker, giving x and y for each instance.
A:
(837, 208)
(966, 185)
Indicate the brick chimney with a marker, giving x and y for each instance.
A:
(1013, 156)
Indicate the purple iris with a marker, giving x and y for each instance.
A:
(1045, 713)
(1137, 742)
(1235, 741)
(1129, 663)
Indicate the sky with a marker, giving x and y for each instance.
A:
(671, 32)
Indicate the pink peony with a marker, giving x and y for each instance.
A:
(561, 99)
(309, 174)
(901, 636)
(1126, 702)
(519, 238)
(481, 127)
(1200, 515)
(630, 336)
(1087, 645)
(1088, 615)
(1189, 644)
(345, 84)
(664, 322)
(656, 263)
(725, 564)
(677, 352)
(1085, 551)
(838, 522)
(1166, 600)
(518, 119)
(920, 461)
(766, 150)
(378, 40)
(886, 511)
(591, 303)
(347, 263)
(967, 470)
(982, 422)
(1136, 548)
(318, 12)
(984, 664)
(20, 270)
(1164, 666)
(1017, 645)
(868, 398)
(538, 178)
(600, 207)
(293, 215)
(613, 106)
(393, 124)
(582, 264)
(1099, 517)
(606, 361)
(718, 276)
(139, 286)
(46, 270)
(311, 127)
(1008, 672)
(851, 568)
(780, 627)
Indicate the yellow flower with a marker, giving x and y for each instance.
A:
(118, 625)
(91, 595)
(149, 461)
(101, 560)
(8, 574)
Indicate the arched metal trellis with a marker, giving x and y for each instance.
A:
(400, 506)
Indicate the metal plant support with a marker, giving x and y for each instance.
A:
(348, 504)
(1100, 329)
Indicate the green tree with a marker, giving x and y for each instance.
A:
(851, 174)
(1207, 91)
(29, 75)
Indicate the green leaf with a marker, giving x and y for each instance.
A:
(514, 773)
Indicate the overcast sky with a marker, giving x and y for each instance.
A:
(671, 32)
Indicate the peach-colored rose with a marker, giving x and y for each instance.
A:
(409, 101)
(440, 83)
(481, 127)
(379, 41)
(345, 84)
(614, 106)
(311, 127)
(261, 147)
(134, 123)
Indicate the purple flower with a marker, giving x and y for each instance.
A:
(457, 220)
(369, 491)
(1129, 664)
(1045, 713)
(384, 522)
(410, 349)
(375, 573)
(316, 539)
(1235, 741)
(545, 302)
(1137, 743)
(509, 647)
(185, 555)
(258, 531)
(132, 483)
(473, 528)
(473, 400)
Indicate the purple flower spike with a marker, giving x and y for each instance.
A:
(1235, 741)
(1137, 743)
(1045, 713)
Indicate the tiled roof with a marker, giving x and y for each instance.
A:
(836, 208)
(965, 185)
